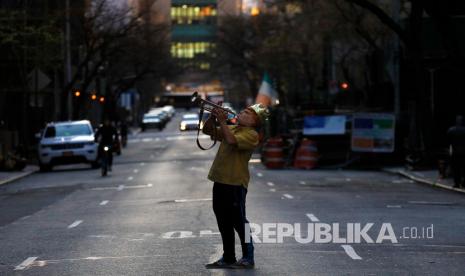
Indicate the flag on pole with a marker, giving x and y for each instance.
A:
(267, 95)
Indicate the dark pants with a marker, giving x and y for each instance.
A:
(457, 163)
(229, 208)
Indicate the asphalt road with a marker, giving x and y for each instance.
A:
(153, 216)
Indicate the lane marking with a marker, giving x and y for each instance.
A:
(150, 185)
(255, 161)
(192, 200)
(136, 170)
(302, 183)
(208, 233)
(431, 203)
(288, 196)
(120, 187)
(273, 190)
(271, 184)
(74, 224)
(104, 202)
(142, 164)
(394, 206)
(312, 218)
(259, 174)
(26, 263)
(351, 252)
(130, 178)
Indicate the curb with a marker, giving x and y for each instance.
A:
(19, 176)
(424, 181)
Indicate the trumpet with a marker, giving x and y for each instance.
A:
(208, 105)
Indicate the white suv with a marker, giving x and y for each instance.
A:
(67, 143)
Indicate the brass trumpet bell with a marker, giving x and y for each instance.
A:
(208, 105)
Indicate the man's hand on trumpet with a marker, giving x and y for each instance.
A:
(220, 115)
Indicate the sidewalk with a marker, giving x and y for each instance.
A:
(426, 177)
(7, 177)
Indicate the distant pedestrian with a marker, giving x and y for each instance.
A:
(456, 136)
(230, 174)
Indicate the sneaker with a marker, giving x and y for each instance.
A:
(219, 264)
(244, 264)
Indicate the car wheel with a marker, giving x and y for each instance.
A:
(45, 167)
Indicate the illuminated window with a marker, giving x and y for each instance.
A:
(191, 50)
(204, 65)
(191, 14)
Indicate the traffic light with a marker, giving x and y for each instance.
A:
(344, 86)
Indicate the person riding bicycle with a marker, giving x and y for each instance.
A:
(109, 136)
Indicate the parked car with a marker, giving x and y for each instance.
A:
(67, 143)
(189, 121)
(170, 109)
(154, 120)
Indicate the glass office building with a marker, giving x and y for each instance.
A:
(193, 33)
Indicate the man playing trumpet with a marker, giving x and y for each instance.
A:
(230, 174)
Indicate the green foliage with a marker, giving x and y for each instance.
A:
(37, 41)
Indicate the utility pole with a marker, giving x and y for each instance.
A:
(67, 64)
(395, 60)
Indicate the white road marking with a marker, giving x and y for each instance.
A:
(136, 171)
(147, 139)
(394, 206)
(273, 190)
(104, 202)
(259, 174)
(26, 263)
(101, 236)
(152, 156)
(74, 224)
(208, 233)
(288, 196)
(255, 161)
(302, 183)
(142, 164)
(192, 200)
(178, 235)
(271, 184)
(312, 218)
(123, 187)
(431, 202)
(348, 179)
(351, 252)
(130, 178)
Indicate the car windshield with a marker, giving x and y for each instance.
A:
(190, 117)
(151, 116)
(67, 130)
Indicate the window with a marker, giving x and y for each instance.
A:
(189, 14)
(67, 130)
(191, 50)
